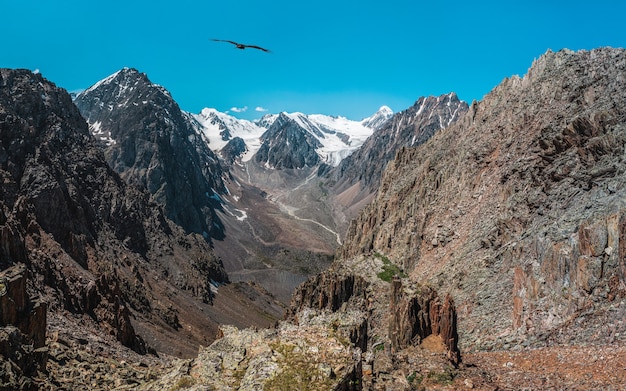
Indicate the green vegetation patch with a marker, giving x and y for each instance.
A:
(415, 381)
(389, 269)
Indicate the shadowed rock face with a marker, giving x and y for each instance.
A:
(152, 144)
(22, 330)
(87, 237)
(414, 317)
(517, 210)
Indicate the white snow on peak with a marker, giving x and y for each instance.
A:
(378, 118)
(104, 81)
(342, 137)
(338, 136)
(100, 134)
(214, 122)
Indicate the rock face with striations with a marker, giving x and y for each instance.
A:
(93, 244)
(151, 143)
(518, 210)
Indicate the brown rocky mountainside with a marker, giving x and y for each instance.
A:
(493, 257)
(518, 210)
(100, 253)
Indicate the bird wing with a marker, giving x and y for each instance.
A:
(257, 47)
(224, 40)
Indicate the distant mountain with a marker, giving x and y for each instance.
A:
(290, 140)
(377, 119)
(356, 179)
(219, 128)
(150, 142)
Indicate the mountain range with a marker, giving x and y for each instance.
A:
(445, 246)
(332, 138)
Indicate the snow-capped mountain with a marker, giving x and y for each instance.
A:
(220, 128)
(151, 143)
(330, 138)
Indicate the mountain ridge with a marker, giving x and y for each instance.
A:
(100, 251)
(492, 254)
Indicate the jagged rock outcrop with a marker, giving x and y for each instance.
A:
(152, 144)
(328, 290)
(23, 351)
(517, 210)
(385, 317)
(417, 313)
(93, 244)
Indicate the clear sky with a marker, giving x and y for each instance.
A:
(328, 56)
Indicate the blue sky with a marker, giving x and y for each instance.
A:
(331, 57)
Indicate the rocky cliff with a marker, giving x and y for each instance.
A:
(152, 144)
(94, 245)
(517, 210)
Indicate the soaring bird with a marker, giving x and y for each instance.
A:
(241, 45)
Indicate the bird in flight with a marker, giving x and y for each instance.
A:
(241, 45)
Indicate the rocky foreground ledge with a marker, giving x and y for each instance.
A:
(342, 333)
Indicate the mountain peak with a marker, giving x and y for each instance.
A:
(378, 118)
(123, 81)
(151, 143)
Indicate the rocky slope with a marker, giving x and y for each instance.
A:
(517, 210)
(152, 144)
(23, 324)
(491, 258)
(100, 252)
